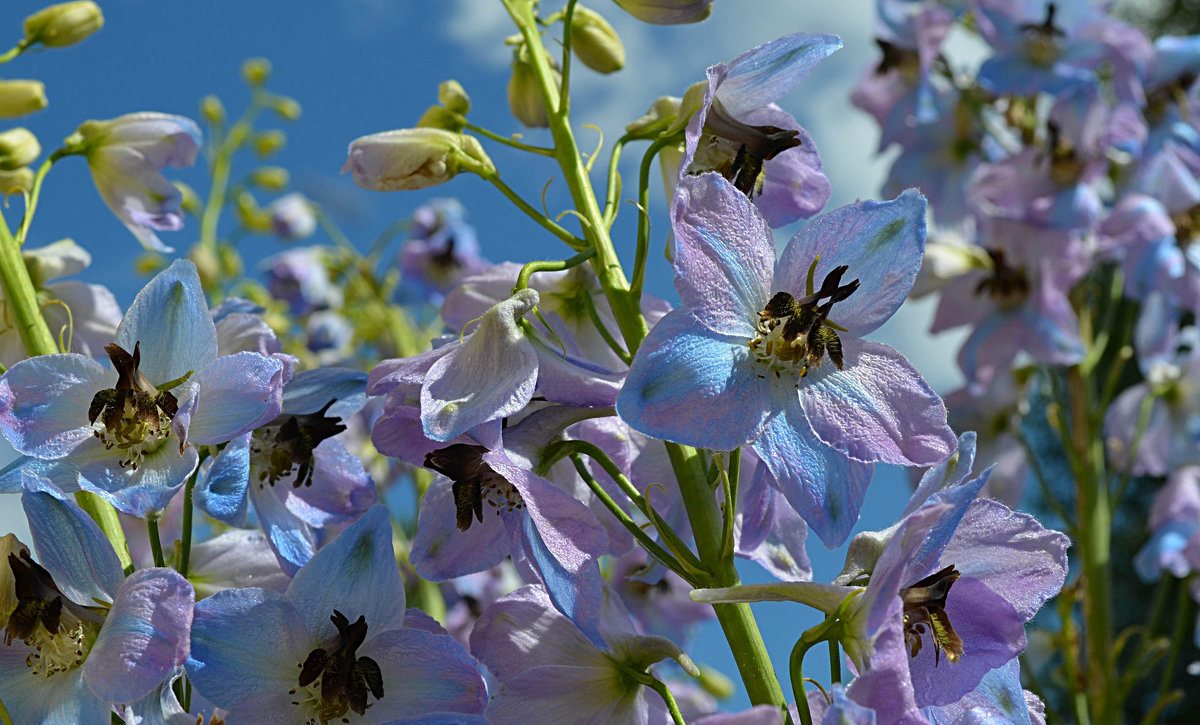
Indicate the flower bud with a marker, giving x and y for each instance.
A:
(18, 98)
(453, 97)
(271, 178)
(292, 217)
(212, 110)
(414, 158)
(18, 147)
(15, 181)
(286, 108)
(665, 108)
(189, 199)
(64, 24)
(443, 118)
(667, 12)
(256, 71)
(524, 95)
(268, 142)
(595, 42)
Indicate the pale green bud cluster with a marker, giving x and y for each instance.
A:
(414, 158)
(18, 148)
(21, 97)
(524, 96)
(256, 71)
(450, 114)
(595, 42)
(64, 24)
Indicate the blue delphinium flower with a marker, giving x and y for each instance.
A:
(759, 354)
(333, 644)
(126, 433)
(82, 637)
(441, 250)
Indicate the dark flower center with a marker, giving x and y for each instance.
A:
(287, 443)
(1066, 164)
(894, 57)
(135, 416)
(337, 679)
(925, 611)
(46, 621)
(1042, 42)
(794, 334)
(1007, 286)
(1187, 226)
(738, 150)
(474, 482)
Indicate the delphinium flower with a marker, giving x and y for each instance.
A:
(300, 277)
(1174, 521)
(967, 573)
(85, 314)
(125, 156)
(550, 672)
(333, 646)
(657, 601)
(130, 434)
(490, 374)
(440, 251)
(80, 636)
(750, 358)
(292, 217)
(737, 130)
(294, 469)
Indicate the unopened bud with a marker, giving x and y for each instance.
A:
(524, 95)
(286, 108)
(18, 98)
(715, 683)
(595, 42)
(665, 109)
(207, 262)
(414, 158)
(250, 214)
(443, 118)
(453, 97)
(18, 147)
(212, 110)
(15, 181)
(63, 24)
(256, 71)
(269, 142)
(270, 178)
(229, 262)
(667, 12)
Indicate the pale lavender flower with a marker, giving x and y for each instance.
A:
(292, 217)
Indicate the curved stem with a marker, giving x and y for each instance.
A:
(643, 237)
(507, 141)
(35, 191)
(1178, 635)
(532, 268)
(564, 100)
(665, 692)
(185, 536)
(544, 221)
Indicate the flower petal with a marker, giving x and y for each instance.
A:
(877, 408)
(44, 403)
(440, 551)
(423, 673)
(724, 254)
(238, 393)
(310, 390)
(341, 489)
(139, 491)
(71, 547)
(293, 541)
(221, 489)
(61, 700)
(691, 386)
(170, 319)
(881, 242)
(767, 73)
(144, 638)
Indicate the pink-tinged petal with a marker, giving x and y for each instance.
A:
(761, 715)
(584, 696)
(137, 194)
(769, 72)
(822, 484)
(724, 254)
(882, 243)
(440, 551)
(490, 376)
(144, 638)
(238, 393)
(405, 375)
(61, 700)
(245, 642)
(341, 488)
(1153, 457)
(877, 408)
(522, 630)
(566, 525)
(356, 574)
(399, 433)
(572, 381)
(793, 185)
(886, 687)
(992, 633)
(423, 673)
(691, 386)
(1010, 552)
(44, 403)
(170, 318)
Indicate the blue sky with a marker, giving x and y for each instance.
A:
(362, 66)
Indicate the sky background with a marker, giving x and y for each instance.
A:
(363, 66)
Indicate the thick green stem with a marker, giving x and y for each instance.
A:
(185, 537)
(155, 542)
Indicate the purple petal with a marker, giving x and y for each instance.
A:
(405, 375)
(793, 185)
(683, 373)
(881, 242)
(341, 489)
(238, 393)
(44, 403)
(144, 638)
(170, 319)
(423, 673)
(724, 254)
(440, 551)
(573, 381)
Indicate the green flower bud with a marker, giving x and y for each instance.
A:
(268, 142)
(665, 108)
(18, 98)
(229, 261)
(149, 264)
(270, 178)
(595, 42)
(212, 110)
(256, 71)
(667, 12)
(250, 214)
(63, 24)
(524, 96)
(453, 97)
(18, 147)
(190, 200)
(414, 158)
(443, 118)
(15, 181)
(715, 683)
(286, 108)
(207, 262)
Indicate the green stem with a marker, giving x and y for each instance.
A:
(1178, 635)
(532, 268)
(35, 192)
(796, 670)
(1130, 455)
(9, 54)
(835, 662)
(613, 187)
(544, 221)
(185, 537)
(21, 298)
(729, 493)
(155, 542)
(665, 692)
(512, 142)
(643, 235)
(564, 100)
(222, 166)
(5, 719)
(594, 316)
(105, 517)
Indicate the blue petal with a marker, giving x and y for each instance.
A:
(44, 403)
(691, 386)
(140, 491)
(221, 489)
(946, 474)
(171, 320)
(238, 393)
(356, 574)
(767, 73)
(578, 595)
(71, 547)
(61, 700)
(308, 391)
(824, 486)
(293, 541)
(245, 642)
(882, 243)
